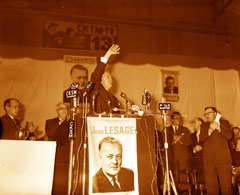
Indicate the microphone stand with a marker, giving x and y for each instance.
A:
(168, 174)
(84, 147)
(72, 134)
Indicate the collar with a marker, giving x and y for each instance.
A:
(11, 116)
(110, 178)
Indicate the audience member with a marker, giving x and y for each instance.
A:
(57, 130)
(179, 140)
(235, 146)
(214, 134)
(111, 177)
(196, 159)
(10, 121)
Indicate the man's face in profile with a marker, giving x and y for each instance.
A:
(13, 108)
(170, 83)
(111, 158)
(80, 77)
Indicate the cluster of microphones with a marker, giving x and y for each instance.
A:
(74, 95)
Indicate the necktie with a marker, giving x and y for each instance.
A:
(176, 129)
(115, 185)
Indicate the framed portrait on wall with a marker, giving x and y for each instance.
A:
(170, 85)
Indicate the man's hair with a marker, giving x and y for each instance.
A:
(80, 67)
(200, 119)
(7, 102)
(168, 78)
(61, 103)
(213, 108)
(175, 114)
(236, 128)
(109, 140)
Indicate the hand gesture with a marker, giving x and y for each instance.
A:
(113, 50)
(215, 125)
(198, 148)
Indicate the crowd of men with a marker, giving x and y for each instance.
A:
(209, 150)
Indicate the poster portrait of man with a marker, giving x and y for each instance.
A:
(112, 177)
(112, 156)
(170, 85)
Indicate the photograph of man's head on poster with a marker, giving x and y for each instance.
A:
(113, 156)
(170, 85)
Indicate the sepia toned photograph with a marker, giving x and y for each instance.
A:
(105, 97)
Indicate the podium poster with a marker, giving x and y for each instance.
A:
(112, 156)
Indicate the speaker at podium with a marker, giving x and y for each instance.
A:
(26, 167)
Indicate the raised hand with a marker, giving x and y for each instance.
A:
(113, 50)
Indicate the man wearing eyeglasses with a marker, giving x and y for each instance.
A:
(57, 130)
(214, 134)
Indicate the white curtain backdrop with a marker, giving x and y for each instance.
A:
(39, 86)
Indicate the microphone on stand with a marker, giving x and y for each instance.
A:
(109, 106)
(128, 104)
(89, 86)
(94, 102)
(72, 94)
(144, 98)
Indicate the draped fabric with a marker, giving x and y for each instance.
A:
(39, 86)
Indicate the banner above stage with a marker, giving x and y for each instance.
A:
(83, 36)
(112, 156)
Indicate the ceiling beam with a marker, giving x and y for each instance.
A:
(225, 6)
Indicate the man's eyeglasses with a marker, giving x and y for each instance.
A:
(62, 109)
(207, 113)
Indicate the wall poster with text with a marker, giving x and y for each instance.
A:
(112, 156)
(82, 36)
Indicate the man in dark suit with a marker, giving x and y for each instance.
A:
(101, 80)
(170, 88)
(57, 130)
(179, 140)
(215, 134)
(196, 159)
(10, 121)
(111, 177)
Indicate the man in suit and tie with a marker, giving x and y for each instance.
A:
(57, 130)
(215, 134)
(111, 177)
(179, 140)
(10, 121)
(196, 159)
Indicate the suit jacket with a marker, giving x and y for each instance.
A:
(194, 143)
(179, 151)
(9, 127)
(59, 133)
(215, 146)
(103, 96)
(100, 182)
(167, 90)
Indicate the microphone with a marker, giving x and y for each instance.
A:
(148, 96)
(109, 106)
(72, 94)
(93, 101)
(144, 98)
(89, 86)
(123, 95)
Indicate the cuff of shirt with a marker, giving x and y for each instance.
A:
(103, 60)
